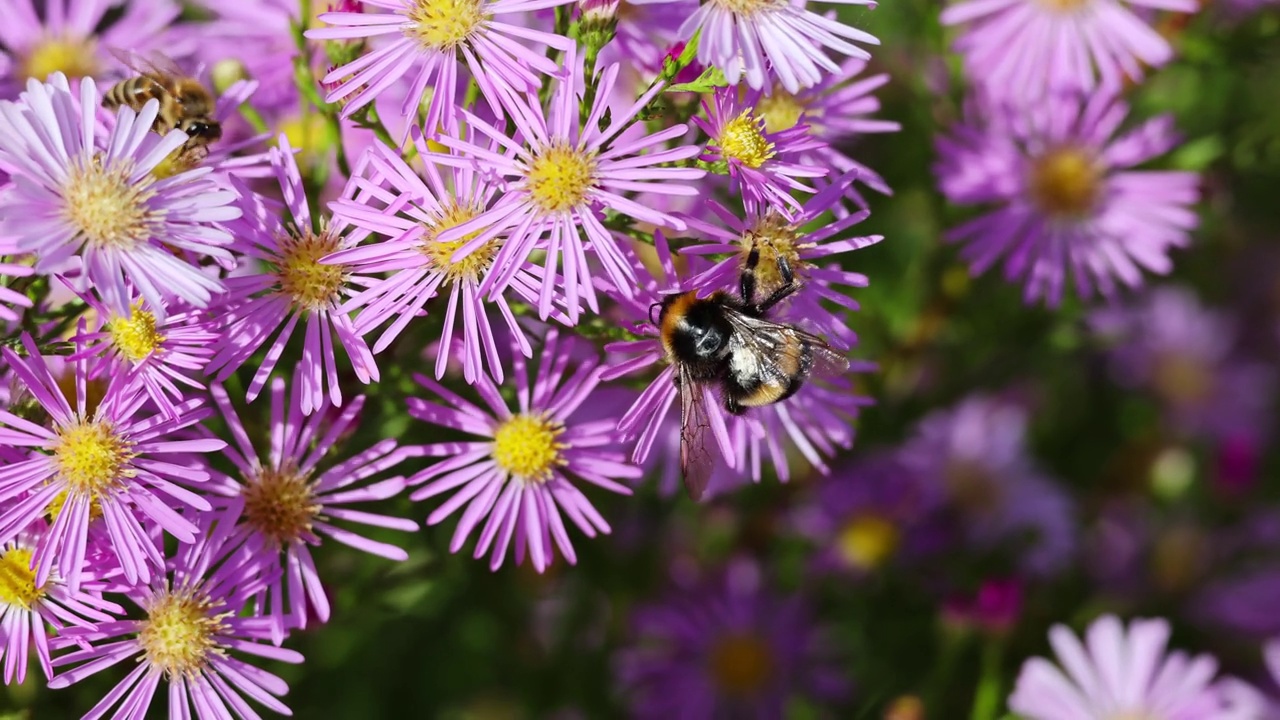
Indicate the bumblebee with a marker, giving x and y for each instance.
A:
(727, 343)
(185, 103)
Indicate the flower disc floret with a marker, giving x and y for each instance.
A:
(102, 204)
(444, 24)
(91, 457)
(18, 580)
(780, 110)
(136, 337)
(471, 267)
(180, 633)
(311, 284)
(867, 540)
(560, 177)
(1065, 182)
(743, 139)
(528, 446)
(741, 664)
(74, 57)
(280, 504)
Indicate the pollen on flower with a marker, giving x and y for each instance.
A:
(135, 336)
(107, 209)
(73, 57)
(775, 239)
(1065, 182)
(528, 447)
(748, 8)
(59, 502)
(311, 284)
(743, 139)
(440, 254)
(560, 177)
(280, 504)
(780, 110)
(180, 632)
(444, 24)
(740, 663)
(867, 541)
(91, 457)
(17, 579)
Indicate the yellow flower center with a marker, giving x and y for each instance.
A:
(73, 57)
(59, 502)
(280, 504)
(749, 8)
(560, 178)
(180, 633)
(311, 133)
(776, 241)
(867, 541)
(440, 254)
(91, 457)
(741, 664)
(135, 336)
(445, 24)
(17, 579)
(743, 139)
(1182, 380)
(312, 285)
(1065, 182)
(104, 206)
(780, 110)
(528, 447)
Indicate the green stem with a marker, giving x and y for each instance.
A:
(986, 699)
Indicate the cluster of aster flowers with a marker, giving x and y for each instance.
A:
(498, 190)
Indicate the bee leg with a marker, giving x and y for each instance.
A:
(732, 406)
(788, 287)
(747, 280)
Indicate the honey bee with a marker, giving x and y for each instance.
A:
(185, 103)
(728, 343)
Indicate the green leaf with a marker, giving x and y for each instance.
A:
(710, 79)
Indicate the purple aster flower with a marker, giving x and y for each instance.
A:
(1027, 49)
(1068, 204)
(160, 354)
(27, 607)
(411, 213)
(646, 29)
(73, 37)
(729, 648)
(10, 298)
(761, 164)
(1119, 672)
(289, 502)
(190, 625)
(109, 469)
(1171, 344)
(561, 181)
(294, 285)
(976, 451)
(782, 240)
(430, 40)
(524, 474)
(767, 39)
(78, 195)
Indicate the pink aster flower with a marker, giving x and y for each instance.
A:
(561, 181)
(288, 502)
(429, 41)
(160, 354)
(761, 164)
(1119, 672)
(764, 39)
(1027, 49)
(76, 194)
(10, 298)
(646, 30)
(1067, 201)
(112, 462)
(523, 475)
(27, 607)
(410, 214)
(188, 633)
(294, 285)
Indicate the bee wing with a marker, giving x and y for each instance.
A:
(695, 459)
(779, 347)
(155, 65)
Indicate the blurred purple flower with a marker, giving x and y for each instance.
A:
(1067, 202)
(763, 40)
(289, 503)
(192, 623)
(1026, 49)
(111, 462)
(646, 30)
(1119, 672)
(11, 299)
(976, 453)
(430, 42)
(294, 285)
(562, 180)
(80, 195)
(727, 649)
(518, 476)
